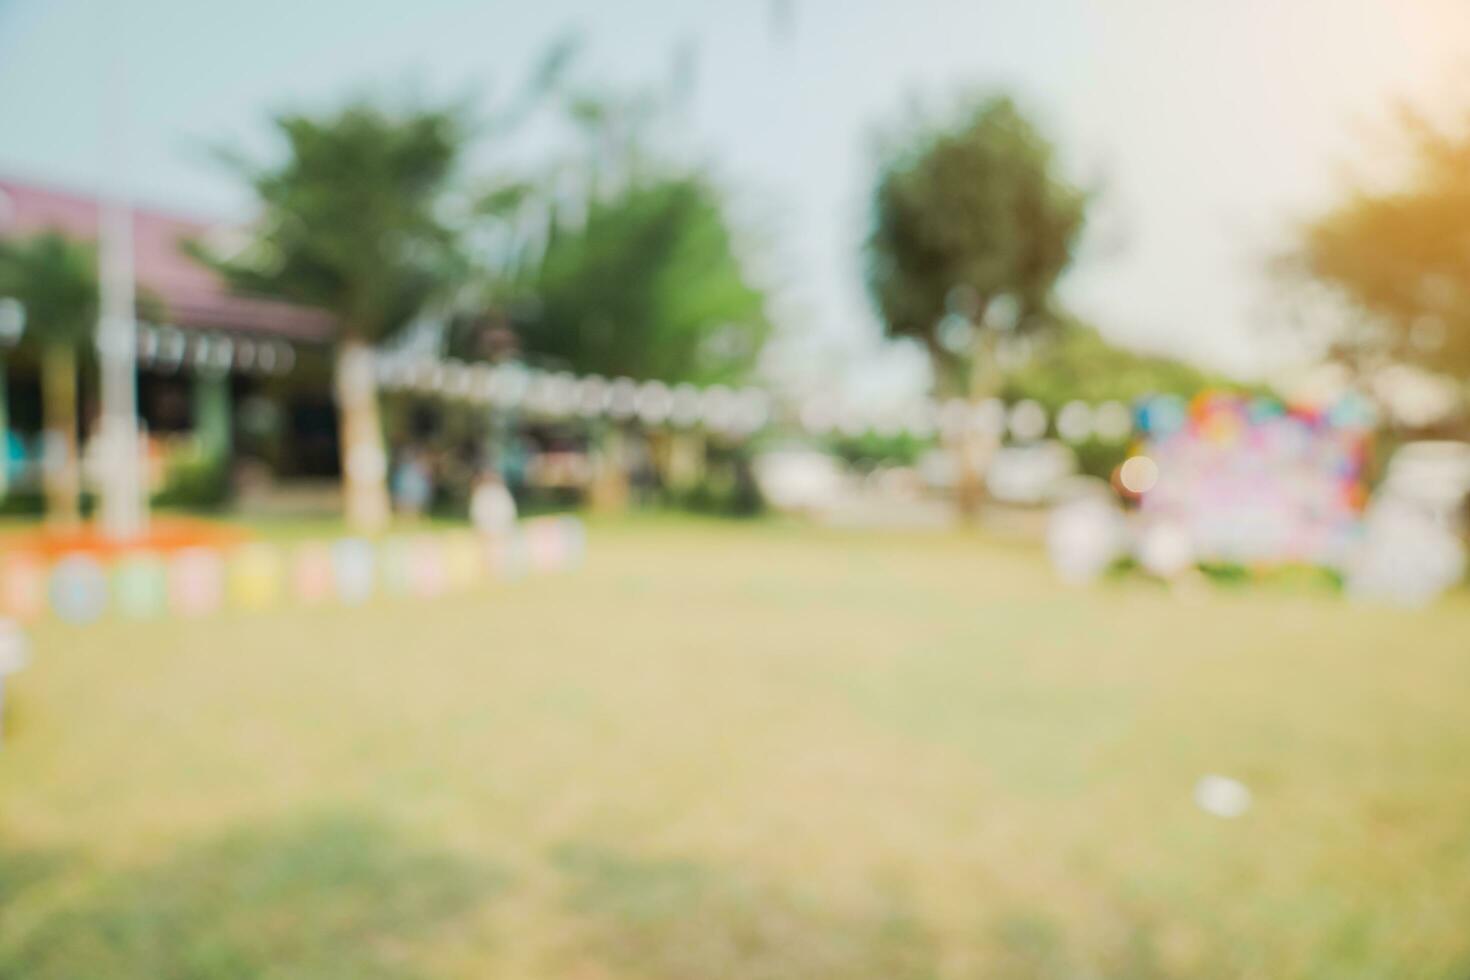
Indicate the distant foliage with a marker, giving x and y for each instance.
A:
(972, 215)
(55, 280)
(1074, 362)
(351, 217)
(618, 257)
(648, 285)
(1401, 257)
(871, 449)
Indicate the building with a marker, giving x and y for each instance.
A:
(223, 378)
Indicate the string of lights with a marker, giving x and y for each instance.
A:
(743, 412)
(165, 349)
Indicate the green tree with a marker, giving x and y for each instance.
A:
(972, 227)
(620, 262)
(1400, 257)
(1074, 361)
(352, 222)
(647, 285)
(55, 280)
(615, 260)
(967, 218)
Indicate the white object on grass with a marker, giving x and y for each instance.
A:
(1221, 796)
(1409, 555)
(1165, 549)
(1084, 536)
(492, 508)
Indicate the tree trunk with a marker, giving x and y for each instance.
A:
(972, 449)
(360, 440)
(969, 487)
(610, 484)
(60, 473)
(686, 461)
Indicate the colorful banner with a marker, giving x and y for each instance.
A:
(260, 576)
(1251, 480)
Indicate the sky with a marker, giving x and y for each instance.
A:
(1208, 127)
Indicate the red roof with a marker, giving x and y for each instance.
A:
(192, 294)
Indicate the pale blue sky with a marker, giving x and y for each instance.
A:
(1209, 122)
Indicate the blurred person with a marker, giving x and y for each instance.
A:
(643, 477)
(515, 462)
(413, 483)
(492, 507)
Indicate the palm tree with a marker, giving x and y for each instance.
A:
(352, 223)
(55, 279)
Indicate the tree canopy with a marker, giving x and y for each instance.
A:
(1401, 257)
(351, 217)
(648, 285)
(55, 280)
(617, 258)
(968, 217)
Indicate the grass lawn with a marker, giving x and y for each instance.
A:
(746, 751)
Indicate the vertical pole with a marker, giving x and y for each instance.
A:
(364, 459)
(123, 513)
(117, 338)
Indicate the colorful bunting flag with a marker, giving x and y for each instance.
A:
(464, 561)
(352, 561)
(256, 577)
(196, 582)
(140, 587)
(394, 562)
(78, 589)
(312, 580)
(22, 587)
(426, 567)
